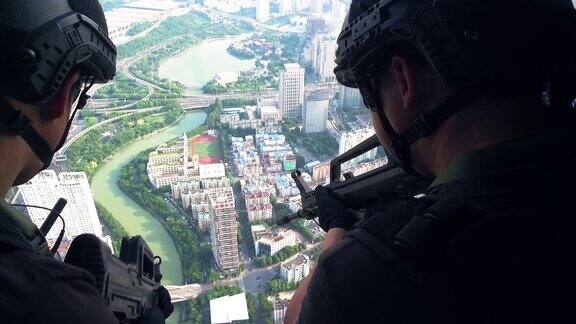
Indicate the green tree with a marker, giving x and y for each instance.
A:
(112, 225)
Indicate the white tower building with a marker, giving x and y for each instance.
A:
(262, 10)
(325, 55)
(224, 227)
(349, 140)
(291, 90)
(79, 214)
(350, 98)
(315, 112)
(317, 6)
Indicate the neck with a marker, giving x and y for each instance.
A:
(15, 159)
(487, 122)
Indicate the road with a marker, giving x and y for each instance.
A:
(127, 110)
(252, 280)
(214, 13)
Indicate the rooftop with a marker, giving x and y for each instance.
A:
(296, 262)
(269, 109)
(228, 308)
(255, 228)
(291, 66)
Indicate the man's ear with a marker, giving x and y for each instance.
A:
(60, 104)
(403, 73)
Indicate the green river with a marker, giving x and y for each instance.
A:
(132, 217)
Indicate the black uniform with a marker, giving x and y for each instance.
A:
(37, 289)
(505, 257)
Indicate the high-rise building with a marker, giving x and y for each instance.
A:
(321, 172)
(317, 6)
(224, 227)
(349, 140)
(285, 7)
(280, 307)
(262, 10)
(295, 269)
(308, 53)
(325, 56)
(315, 112)
(350, 98)
(79, 214)
(291, 90)
(338, 10)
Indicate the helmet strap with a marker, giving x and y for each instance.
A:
(19, 124)
(426, 124)
(82, 100)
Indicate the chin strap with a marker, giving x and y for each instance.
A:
(426, 124)
(19, 124)
(82, 101)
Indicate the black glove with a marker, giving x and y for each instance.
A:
(153, 316)
(159, 314)
(332, 212)
(165, 302)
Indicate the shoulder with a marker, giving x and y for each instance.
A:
(358, 282)
(35, 287)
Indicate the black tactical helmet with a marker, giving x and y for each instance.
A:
(474, 45)
(42, 40)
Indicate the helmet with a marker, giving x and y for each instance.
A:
(474, 45)
(43, 40)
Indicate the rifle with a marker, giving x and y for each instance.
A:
(385, 186)
(128, 283)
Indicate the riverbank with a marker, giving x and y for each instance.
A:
(129, 214)
(88, 152)
(194, 257)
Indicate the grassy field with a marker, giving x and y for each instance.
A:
(211, 149)
(207, 149)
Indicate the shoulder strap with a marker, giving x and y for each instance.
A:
(421, 238)
(16, 231)
(9, 233)
(374, 244)
(435, 226)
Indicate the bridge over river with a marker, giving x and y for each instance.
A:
(185, 292)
